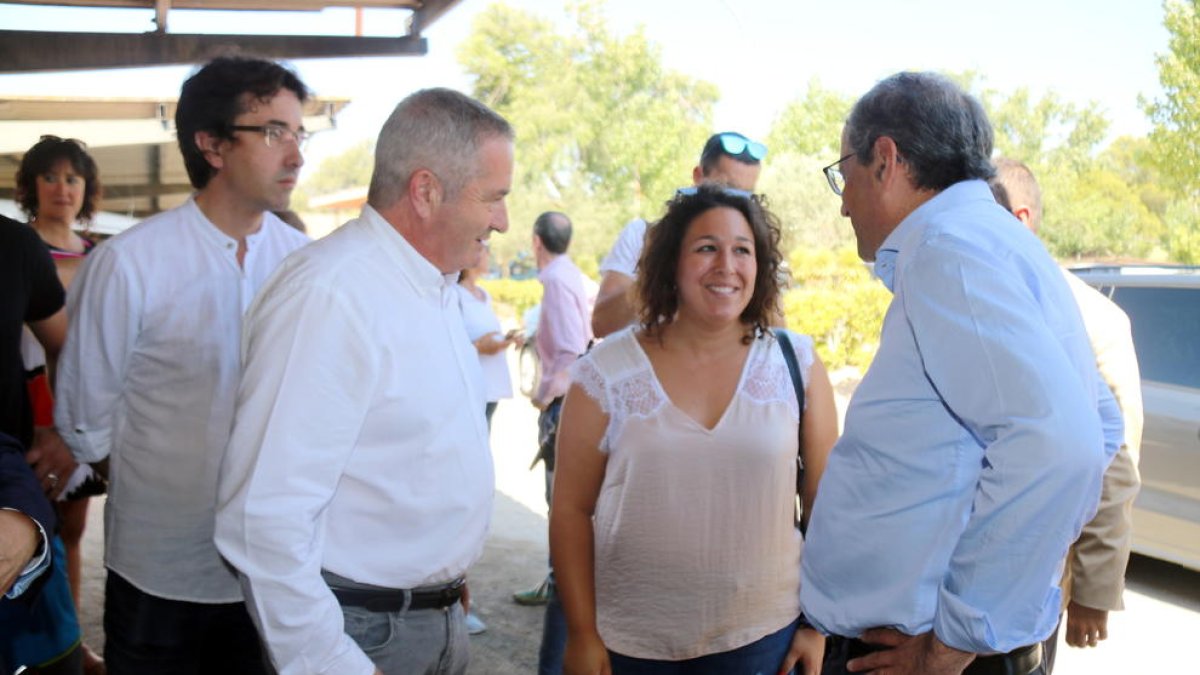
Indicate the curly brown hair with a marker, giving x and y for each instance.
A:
(42, 157)
(657, 291)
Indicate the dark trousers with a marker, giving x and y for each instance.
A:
(839, 650)
(149, 635)
(554, 635)
(1050, 648)
(554, 621)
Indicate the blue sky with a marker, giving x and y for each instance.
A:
(760, 53)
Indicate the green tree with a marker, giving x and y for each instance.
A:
(604, 131)
(812, 124)
(808, 211)
(1176, 117)
(351, 168)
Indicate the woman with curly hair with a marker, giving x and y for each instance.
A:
(673, 528)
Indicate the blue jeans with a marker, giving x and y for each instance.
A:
(420, 642)
(762, 657)
(152, 635)
(554, 635)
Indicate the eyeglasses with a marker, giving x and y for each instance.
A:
(833, 174)
(276, 134)
(691, 190)
(734, 145)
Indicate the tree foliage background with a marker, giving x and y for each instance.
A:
(605, 132)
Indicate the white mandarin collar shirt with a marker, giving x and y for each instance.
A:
(147, 378)
(360, 445)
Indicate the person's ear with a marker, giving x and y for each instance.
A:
(425, 192)
(211, 146)
(1025, 215)
(888, 159)
(697, 175)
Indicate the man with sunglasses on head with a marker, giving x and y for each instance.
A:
(728, 158)
(150, 370)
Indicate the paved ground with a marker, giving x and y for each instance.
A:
(1153, 635)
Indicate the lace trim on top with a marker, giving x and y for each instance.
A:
(618, 376)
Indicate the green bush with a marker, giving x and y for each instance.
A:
(835, 300)
(512, 297)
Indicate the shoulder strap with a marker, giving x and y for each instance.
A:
(789, 355)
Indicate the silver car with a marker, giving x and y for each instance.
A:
(1163, 304)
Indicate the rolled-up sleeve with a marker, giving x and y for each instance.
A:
(308, 376)
(105, 309)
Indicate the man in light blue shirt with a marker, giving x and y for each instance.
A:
(974, 447)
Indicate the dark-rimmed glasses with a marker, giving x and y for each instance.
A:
(276, 134)
(833, 174)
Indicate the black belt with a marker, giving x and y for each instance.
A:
(398, 600)
(1020, 661)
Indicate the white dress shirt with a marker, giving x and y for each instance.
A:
(360, 445)
(147, 378)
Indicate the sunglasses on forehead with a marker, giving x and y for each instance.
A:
(692, 190)
(735, 145)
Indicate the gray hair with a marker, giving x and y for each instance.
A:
(439, 130)
(939, 129)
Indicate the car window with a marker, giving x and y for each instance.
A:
(1166, 328)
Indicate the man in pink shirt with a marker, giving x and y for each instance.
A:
(563, 332)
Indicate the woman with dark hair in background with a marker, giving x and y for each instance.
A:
(58, 187)
(673, 529)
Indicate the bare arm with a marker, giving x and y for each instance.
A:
(49, 456)
(613, 310)
(577, 480)
(19, 541)
(820, 430)
(492, 343)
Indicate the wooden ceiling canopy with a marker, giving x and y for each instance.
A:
(29, 51)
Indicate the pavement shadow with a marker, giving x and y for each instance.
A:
(514, 559)
(1164, 581)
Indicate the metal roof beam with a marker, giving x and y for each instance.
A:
(29, 51)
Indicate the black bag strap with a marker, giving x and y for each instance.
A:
(789, 355)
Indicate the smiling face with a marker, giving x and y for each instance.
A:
(717, 267)
(60, 193)
(462, 225)
(259, 176)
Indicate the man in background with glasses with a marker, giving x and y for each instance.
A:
(150, 371)
(974, 447)
(728, 158)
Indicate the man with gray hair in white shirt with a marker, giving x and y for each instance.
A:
(357, 485)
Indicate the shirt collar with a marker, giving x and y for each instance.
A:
(915, 223)
(550, 269)
(214, 235)
(421, 273)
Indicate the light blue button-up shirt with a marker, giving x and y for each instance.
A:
(974, 446)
